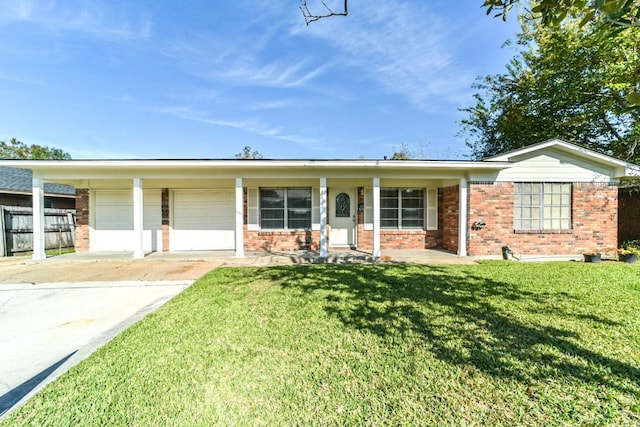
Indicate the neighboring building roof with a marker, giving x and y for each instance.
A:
(20, 181)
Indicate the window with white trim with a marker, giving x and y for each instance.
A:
(402, 208)
(285, 208)
(542, 206)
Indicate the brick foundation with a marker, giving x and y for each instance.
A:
(594, 222)
(82, 220)
(399, 239)
(281, 240)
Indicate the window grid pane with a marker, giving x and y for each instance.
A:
(298, 208)
(542, 206)
(402, 208)
(412, 208)
(389, 203)
(274, 202)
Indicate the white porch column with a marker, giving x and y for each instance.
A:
(323, 218)
(239, 219)
(376, 218)
(38, 219)
(462, 216)
(138, 219)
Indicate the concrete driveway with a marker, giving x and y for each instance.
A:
(55, 313)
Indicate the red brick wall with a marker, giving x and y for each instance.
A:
(493, 203)
(399, 239)
(594, 222)
(281, 240)
(365, 238)
(449, 216)
(82, 220)
(595, 217)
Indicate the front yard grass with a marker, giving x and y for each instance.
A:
(501, 343)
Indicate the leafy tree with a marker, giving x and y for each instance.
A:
(15, 149)
(405, 152)
(566, 84)
(600, 15)
(622, 13)
(246, 153)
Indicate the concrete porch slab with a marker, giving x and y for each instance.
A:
(409, 256)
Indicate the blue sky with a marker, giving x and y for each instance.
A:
(203, 79)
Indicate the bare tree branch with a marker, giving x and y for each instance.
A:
(310, 17)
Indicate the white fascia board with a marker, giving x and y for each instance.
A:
(43, 166)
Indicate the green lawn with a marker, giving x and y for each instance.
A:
(501, 343)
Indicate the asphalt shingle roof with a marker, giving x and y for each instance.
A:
(12, 179)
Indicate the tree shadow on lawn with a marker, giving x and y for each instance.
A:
(462, 320)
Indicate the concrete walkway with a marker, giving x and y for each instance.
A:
(228, 258)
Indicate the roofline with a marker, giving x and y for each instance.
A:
(254, 163)
(28, 193)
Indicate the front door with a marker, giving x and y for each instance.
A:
(342, 217)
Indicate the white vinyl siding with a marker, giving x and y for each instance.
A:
(552, 166)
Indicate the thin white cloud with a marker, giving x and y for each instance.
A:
(257, 53)
(14, 79)
(406, 48)
(94, 20)
(121, 98)
(253, 126)
(274, 105)
(282, 75)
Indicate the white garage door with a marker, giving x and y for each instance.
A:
(203, 220)
(113, 221)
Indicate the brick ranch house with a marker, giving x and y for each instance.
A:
(553, 198)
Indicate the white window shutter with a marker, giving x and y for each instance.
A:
(315, 209)
(368, 208)
(432, 208)
(253, 219)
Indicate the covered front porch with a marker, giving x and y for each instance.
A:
(266, 205)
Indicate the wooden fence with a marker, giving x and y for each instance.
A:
(16, 229)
